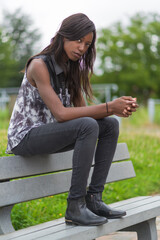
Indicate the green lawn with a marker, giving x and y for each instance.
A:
(143, 140)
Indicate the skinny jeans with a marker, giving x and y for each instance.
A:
(88, 137)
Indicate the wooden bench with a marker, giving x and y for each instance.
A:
(51, 180)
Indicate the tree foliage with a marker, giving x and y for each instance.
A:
(22, 38)
(130, 55)
(8, 65)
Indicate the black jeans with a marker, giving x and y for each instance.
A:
(80, 134)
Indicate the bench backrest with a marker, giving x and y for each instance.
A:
(27, 178)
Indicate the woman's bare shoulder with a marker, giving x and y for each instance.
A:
(37, 71)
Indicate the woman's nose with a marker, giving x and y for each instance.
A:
(81, 47)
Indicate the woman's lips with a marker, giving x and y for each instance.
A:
(77, 55)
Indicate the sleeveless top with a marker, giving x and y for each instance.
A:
(29, 110)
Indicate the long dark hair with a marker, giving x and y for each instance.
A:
(77, 73)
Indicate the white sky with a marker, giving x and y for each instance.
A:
(47, 15)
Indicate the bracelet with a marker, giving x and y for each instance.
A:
(107, 107)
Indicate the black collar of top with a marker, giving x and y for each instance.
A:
(57, 68)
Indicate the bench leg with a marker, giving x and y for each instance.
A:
(5, 220)
(145, 230)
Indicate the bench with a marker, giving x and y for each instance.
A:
(53, 175)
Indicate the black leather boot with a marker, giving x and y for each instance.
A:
(77, 213)
(96, 205)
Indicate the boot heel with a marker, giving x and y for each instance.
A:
(69, 222)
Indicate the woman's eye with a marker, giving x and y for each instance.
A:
(79, 40)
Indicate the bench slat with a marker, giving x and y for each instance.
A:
(121, 152)
(120, 171)
(129, 201)
(29, 230)
(18, 166)
(37, 187)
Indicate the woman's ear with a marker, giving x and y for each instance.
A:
(64, 39)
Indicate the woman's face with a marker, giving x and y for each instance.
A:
(75, 49)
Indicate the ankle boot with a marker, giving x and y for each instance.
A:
(77, 213)
(96, 205)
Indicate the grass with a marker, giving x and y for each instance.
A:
(143, 140)
(157, 115)
(4, 117)
(4, 122)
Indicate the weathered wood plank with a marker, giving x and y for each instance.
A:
(30, 233)
(37, 187)
(121, 152)
(18, 166)
(32, 229)
(120, 171)
(130, 200)
(136, 203)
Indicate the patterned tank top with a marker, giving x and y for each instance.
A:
(29, 112)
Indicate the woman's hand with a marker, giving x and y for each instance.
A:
(123, 106)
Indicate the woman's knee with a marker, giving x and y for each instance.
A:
(115, 123)
(90, 126)
(110, 124)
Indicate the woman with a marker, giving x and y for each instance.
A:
(50, 116)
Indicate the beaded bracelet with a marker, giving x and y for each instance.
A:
(107, 107)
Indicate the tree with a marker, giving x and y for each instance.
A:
(130, 55)
(23, 37)
(8, 65)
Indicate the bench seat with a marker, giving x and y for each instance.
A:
(141, 213)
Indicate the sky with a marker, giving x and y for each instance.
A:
(47, 15)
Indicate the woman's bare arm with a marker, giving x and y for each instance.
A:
(37, 72)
